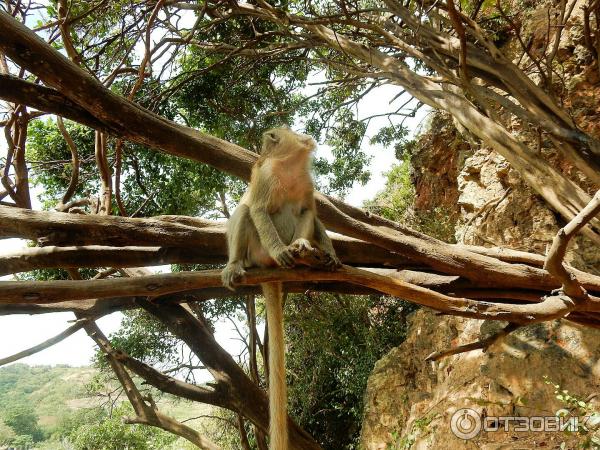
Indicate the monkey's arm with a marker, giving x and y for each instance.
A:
(305, 227)
(238, 229)
(237, 234)
(305, 224)
(269, 238)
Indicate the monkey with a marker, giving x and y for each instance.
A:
(277, 212)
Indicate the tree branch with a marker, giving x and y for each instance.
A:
(250, 400)
(482, 344)
(145, 414)
(78, 325)
(556, 255)
(74, 161)
(18, 91)
(153, 285)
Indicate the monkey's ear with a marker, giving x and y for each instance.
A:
(270, 138)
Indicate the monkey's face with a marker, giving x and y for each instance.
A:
(281, 142)
(307, 141)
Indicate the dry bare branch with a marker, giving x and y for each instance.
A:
(78, 325)
(556, 255)
(145, 414)
(482, 344)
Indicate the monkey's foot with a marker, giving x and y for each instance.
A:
(305, 254)
(232, 274)
(284, 257)
(332, 262)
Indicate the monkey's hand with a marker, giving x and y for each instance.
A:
(232, 274)
(283, 257)
(301, 246)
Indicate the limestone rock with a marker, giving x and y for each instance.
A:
(409, 403)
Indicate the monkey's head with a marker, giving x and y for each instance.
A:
(280, 142)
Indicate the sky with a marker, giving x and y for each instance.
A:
(18, 332)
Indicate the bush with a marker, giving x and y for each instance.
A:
(333, 344)
(113, 434)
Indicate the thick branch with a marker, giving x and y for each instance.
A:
(18, 91)
(155, 285)
(145, 414)
(99, 307)
(70, 229)
(180, 243)
(124, 117)
(250, 400)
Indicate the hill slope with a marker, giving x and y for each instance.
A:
(59, 396)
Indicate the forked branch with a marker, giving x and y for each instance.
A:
(145, 413)
(556, 255)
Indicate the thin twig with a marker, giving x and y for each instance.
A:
(78, 325)
(74, 161)
(482, 344)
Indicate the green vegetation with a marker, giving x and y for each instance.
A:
(396, 202)
(582, 410)
(35, 399)
(333, 344)
(54, 408)
(111, 433)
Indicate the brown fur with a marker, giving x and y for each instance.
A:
(277, 210)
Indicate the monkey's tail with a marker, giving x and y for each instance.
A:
(278, 431)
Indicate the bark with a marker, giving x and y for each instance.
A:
(99, 307)
(145, 242)
(18, 91)
(557, 252)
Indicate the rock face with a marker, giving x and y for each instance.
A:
(409, 402)
(436, 163)
(498, 209)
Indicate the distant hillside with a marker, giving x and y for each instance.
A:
(54, 391)
(59, 397)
